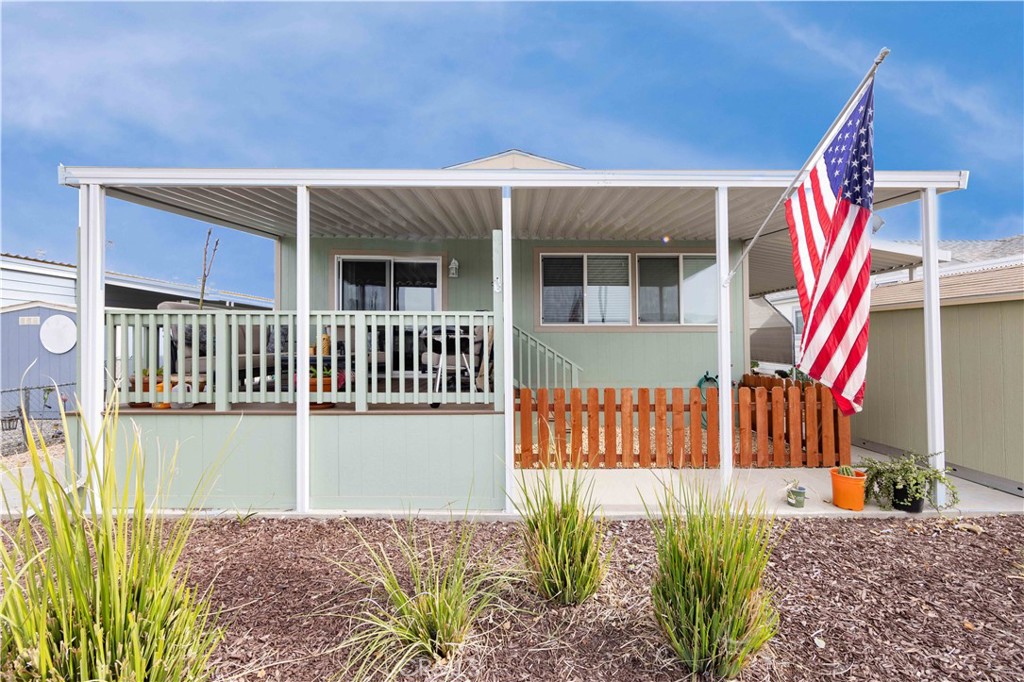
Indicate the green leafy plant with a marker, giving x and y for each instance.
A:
(423, 606)
(563, 537)
(707, 593)
(912, 473)
(89, 584)
(324, 372)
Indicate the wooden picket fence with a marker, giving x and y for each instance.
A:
(786, 426)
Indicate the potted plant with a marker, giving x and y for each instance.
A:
(318, 382)
(143, 386)
(848, 488)
(796, 494)
(906, 482)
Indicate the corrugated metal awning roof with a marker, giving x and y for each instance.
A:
(465, 203)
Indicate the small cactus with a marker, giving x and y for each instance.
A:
(846, 470)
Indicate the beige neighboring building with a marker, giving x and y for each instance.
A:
(982, 373)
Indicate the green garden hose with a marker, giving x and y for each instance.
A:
(706, 379)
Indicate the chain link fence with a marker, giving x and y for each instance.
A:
(42, 404)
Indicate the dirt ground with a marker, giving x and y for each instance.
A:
(898, 599)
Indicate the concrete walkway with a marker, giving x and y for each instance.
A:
(622, 493)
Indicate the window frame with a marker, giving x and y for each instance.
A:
(633, 254)
(391, 259)
(586, 306)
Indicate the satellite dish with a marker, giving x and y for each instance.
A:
(58, 334)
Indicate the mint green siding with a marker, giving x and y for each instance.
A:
(470, 291)
(633, 358)
(424, 461)
(614, 359)
(252, 457)
(982, 370)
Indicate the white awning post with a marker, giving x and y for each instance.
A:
(724, 335)
(92, 228)
(506, 346)
(300, 350)
(933, 337)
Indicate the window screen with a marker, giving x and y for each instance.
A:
(562, 289)
(700, 294)
(608, 290)
(658, 294)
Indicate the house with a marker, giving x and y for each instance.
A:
(982, 367)
(774, 311)
(438, 311)
(34, 290)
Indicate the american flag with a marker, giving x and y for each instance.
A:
(828, 216)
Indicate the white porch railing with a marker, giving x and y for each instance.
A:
(538, 365)
(178, 358)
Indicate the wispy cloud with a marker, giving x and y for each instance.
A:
(975, 113)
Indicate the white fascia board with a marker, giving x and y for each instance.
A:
(75, 176)
(44, 269)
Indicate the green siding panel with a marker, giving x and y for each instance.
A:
(613, 359)
(255, 456)
(621, 359)
(429, 461)
(983, 385)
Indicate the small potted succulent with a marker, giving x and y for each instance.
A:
(848, 488)
(906, 482)
(796, 494)
(324, 380)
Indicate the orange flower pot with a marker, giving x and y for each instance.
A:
(848, 491)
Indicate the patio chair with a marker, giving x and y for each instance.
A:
(197, 348)
(451, 361)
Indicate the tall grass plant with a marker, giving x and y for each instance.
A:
(707, 593)
(91, 588)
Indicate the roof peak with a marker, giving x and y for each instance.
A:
(514, 159)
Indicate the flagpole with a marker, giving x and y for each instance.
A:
(814, 155)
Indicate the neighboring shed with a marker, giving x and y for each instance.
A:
(983, 374)
(26, 363)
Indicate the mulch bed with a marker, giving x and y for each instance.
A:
(896, 599)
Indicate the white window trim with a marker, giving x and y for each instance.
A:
(396, 258)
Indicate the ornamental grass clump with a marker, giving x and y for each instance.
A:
(422, 606)
(563, 536)
(707, 593)
(89, 586)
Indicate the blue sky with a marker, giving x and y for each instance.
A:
(428, 85)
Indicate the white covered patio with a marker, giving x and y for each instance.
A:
(295, 206)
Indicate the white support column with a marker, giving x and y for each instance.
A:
(506, 346)
(92, 228)
(301, 345)
(724, 335)
(933, 336)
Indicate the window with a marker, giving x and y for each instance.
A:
(592, 289)
(676, 289)
(700, 293)
(658, 292)
(562, 289)
(388, 283)
(798, 322)
(607, 300)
